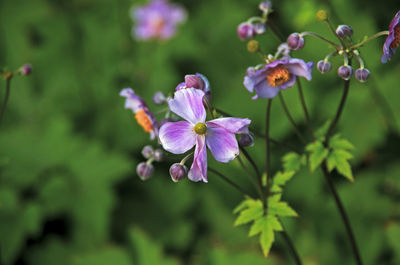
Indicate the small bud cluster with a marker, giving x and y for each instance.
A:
(255, 25)
(145, 169)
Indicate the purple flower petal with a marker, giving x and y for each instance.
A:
(289, 83)
(232, 125)
(388, 51)
(222, 144)
(188, 104)
(177, 137)
(198, 170)
(264, 90)
(133, 101)
(253, 78)
(300, 68)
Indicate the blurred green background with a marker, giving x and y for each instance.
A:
(69, 193)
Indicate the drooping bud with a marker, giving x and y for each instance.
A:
(26, 69)
(260, 28)
(245, 31)
(295, 41)
(344, 30)
(194, 81)
(159, 98)
(177, 172)
(345, 72)
(158, 155)
(144, 170)
(324, 66)
(265, 6)
(147, 151)
(362, 74)
(246, 140)
(322, 15)
(252, 46)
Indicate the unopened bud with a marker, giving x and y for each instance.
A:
(245, 31)
(144, 170)
(324, 66)
(147, 151)
(178, 172)
(344, 30)
(26, 69)
(260, 28)
(246, 140)
(194, 81)
(159, 98)
(362, 74)
(345, 72)
(295, 41)
(265, 6)
(252, 46)
(158, 155)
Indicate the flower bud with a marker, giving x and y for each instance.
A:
(246, 140)
(295, 41)
(265, 6)
(178, 172)
(159, 98)
(260, 28)
(362, 74)
(324, 66)
(344, 30)
(345, 72)
(252, 46)
(144, 170)
(147, 151)
(245, 31)
(322, 15)
(158, 155)
(26, 69)
(194, 81)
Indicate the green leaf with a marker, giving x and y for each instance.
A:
(253, 212)
(293, 161)
(321, 131)
(281, 178)
(338, 143)
(317, 154)
(338, 159)
(280, 208)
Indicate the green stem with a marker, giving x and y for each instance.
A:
(334, 33)
(377, 35)
(230, 182)
(267, 149)
(252, 163)
(7, 95)
(304, 105)
(255, 183)
(292, 122)
(308, 33)
(291, 246)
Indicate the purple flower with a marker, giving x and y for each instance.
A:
(393, 39)
(197, 81)
(218, 135)
(158, 20)
(142, 113)
(279, 74)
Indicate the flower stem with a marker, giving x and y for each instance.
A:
(230, 182)
(343, 214)
(267, 149)
(7, 95)
(304, 105)
(291, 119)
(377, 35)
(328, 22)
(308, 33)
(291, 246)
(256, 183)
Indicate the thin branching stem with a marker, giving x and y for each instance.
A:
(267, 148)
(6, 97)
(292, 248)
(304, 105)
(230, 182)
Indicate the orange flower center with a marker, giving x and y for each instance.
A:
(144, 120)
(158, 25)
(278, 76)
(396, 41)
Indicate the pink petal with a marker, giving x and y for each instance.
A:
(177, 137)
(198, 170)
(222, 144)
(232, 125)
(188, 104)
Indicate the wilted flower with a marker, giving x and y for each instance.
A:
(143, 115)
(218, 135)
(158, 20)
(279, 74)
(393, 39)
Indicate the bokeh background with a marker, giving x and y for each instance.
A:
(69, 193)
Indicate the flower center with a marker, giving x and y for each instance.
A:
(278, 76)
(144, 120)
(200, 128)
(396, 42)
(157, 25)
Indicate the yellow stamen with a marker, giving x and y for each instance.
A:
(158, 25)
(278, 76)
(144, 120)
(396, 42)
(200, 128)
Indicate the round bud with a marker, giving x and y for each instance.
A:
(147, 151)
(158, 155)
(265, 6)
(344, 30)
(159, 98)
(195, 81)
(26, 69)
(324, 66)
(259, 28)
(246, 140)
(362, 74)
(178, 172)
(295, 41)
(245, 31)
(252, 46)
(345, 72)
(144, 170)
(322, 15)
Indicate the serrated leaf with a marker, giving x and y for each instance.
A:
(321, 131)
(253, 212)
(267, 236)
(293, 161)
(317, 154)
(338, 159)
(281, 178)
(280, 208)
(241, 206)
(339, 143)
